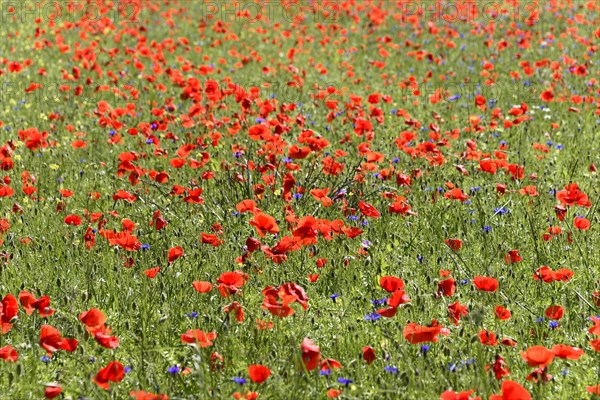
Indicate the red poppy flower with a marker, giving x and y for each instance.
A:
(51, 340)
(231, 282)
(237, 310)
(158, 221)
(567, 352)
(107, 341)
(291, 292)
(485, 284)
(321, 196)
(369, 354)
(456, 194)
(563, 274)
(175, 253)
(391, 283)
(595, 330)
(73, 219)
(513, 257)
(457, 311)
(210, 238)
(123, 195)
(499, 368)
(487, 338)
(152, 272)
(368, 210)
(454, 244)
(538, 356)
(113, 372)
(511, 391)
(452, 395)
(581, 223)
(202, 287)
(52, 391)
(9, 354)
(415, 333)
(264, 224)
(508, 342)
(555, 312)
(311, 354)
(447, 287)
(30, 303)
(571, 195)
(93, 319)
(593, 389)
(398, 298)
(141, 395)
(502, 313)
(246, 206)
(124, 240)
(204, 339)
(9, 308)
(258, 373)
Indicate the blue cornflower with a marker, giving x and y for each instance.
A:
(192, 314)
(127, 369)
(325, 372)
(391, 369)
(487, 228)
(553, 324)
(334, 296)
(173, 370)
(238, 380)
(45, 359)
(297, 196)
(500, 210)
(345, 381)
(353, 217)
(424, 349)
(145, 246)
(372, 317)
(378, 302)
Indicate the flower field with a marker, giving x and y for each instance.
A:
(296, 199)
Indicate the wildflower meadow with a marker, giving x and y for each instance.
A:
(299, 199)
